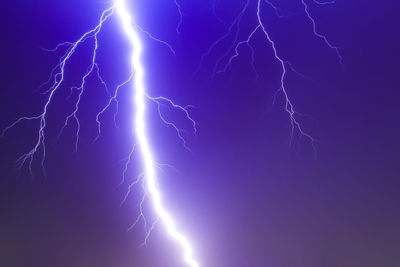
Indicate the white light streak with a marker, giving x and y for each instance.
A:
(140, 130)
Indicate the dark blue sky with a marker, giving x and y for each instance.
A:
(246, 196)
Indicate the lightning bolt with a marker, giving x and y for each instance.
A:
(179, 25)
(314, 25)
(140, 129)
(58, 80)
(289, 107)
(141, 98)
(232, 53)
(148, 178)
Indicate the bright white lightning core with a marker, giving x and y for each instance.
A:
(140, 129)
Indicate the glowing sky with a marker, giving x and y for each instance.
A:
(247, 194)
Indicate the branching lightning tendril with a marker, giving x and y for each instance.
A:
(233, 50)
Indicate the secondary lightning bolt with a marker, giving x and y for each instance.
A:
(288, 103)
(58, 80)
(179, 8)
(233, 28)
(285, 65)
(323, 37)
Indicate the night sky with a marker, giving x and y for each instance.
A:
(247, 195)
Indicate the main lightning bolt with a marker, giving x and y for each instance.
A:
(148, 177)
(140, 130)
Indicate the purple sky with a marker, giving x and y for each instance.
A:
(247, 196)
